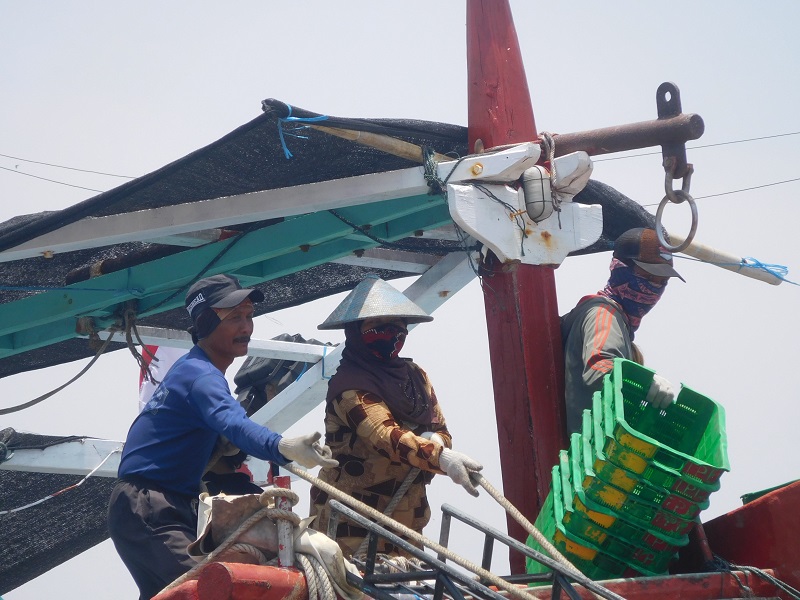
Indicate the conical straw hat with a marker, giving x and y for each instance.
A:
(373, 297)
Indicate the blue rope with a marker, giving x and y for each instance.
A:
(302, 372)
(324, 352)
(290, 119)
(778, 271)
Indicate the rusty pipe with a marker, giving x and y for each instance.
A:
(645, 134)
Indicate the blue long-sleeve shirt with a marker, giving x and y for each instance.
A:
(172, 439)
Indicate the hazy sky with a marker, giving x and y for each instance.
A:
(125, 88)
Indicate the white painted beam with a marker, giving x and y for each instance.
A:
(72, 458)
(302, 396)
(430, 291)
(392, 260)
(497, 216)
(445, 278)
(150, 225)
(176, 338)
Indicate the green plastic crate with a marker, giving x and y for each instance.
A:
(639, 548)
(618, 558)
(688, 436)
(587, 512)
(610, 458)
(587, 558)
(583, 522)
(611, 485)
(646, 517)
(546, 524)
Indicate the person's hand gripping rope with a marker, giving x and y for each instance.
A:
(307, 451)
(458, 467)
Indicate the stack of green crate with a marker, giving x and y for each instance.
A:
(628, 489)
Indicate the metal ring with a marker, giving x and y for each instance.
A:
(660, 229)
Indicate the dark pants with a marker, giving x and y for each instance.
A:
(151, 529)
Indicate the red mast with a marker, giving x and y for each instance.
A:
(520, 300)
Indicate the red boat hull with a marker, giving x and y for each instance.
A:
(764, 533)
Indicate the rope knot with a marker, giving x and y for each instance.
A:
(129, 317)
(436, 187)
(276, 492)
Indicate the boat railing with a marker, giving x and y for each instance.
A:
(437, 578)
(559, 577)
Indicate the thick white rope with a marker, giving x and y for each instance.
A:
(251, 550)
(266, 512)
(529, 527)
(549, 143)
(311, 577)
(318, 580)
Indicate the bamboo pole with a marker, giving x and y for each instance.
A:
(385, 143)
(725, 260)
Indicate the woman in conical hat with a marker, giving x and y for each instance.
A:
(383, 422)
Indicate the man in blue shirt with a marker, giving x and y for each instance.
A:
(152, 515)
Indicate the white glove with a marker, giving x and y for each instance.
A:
(458, 466)
(307, 451)
(661, 393)
(434, 437)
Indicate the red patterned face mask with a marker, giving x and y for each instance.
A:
(385, 341)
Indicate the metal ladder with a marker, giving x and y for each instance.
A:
(439, 578)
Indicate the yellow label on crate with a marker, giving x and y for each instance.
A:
(637, 445)
(610, 496)
(589, 530)
(625, 458)
(619, 477)
(601, 519)
(574, 547)
(595, 534)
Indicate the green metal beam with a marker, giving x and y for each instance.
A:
(288, 247)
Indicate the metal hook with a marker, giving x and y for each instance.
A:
(668, 104)
(692, 230)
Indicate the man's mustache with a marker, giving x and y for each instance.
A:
(243, 339)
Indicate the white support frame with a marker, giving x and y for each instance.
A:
(159, 224)
(430, 291)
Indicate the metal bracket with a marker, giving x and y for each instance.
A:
(505, 165)
(491, 207)
(668, 104)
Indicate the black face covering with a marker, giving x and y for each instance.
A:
(385, 341)
(398, 382)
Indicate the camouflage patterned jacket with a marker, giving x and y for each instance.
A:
(375, 455)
